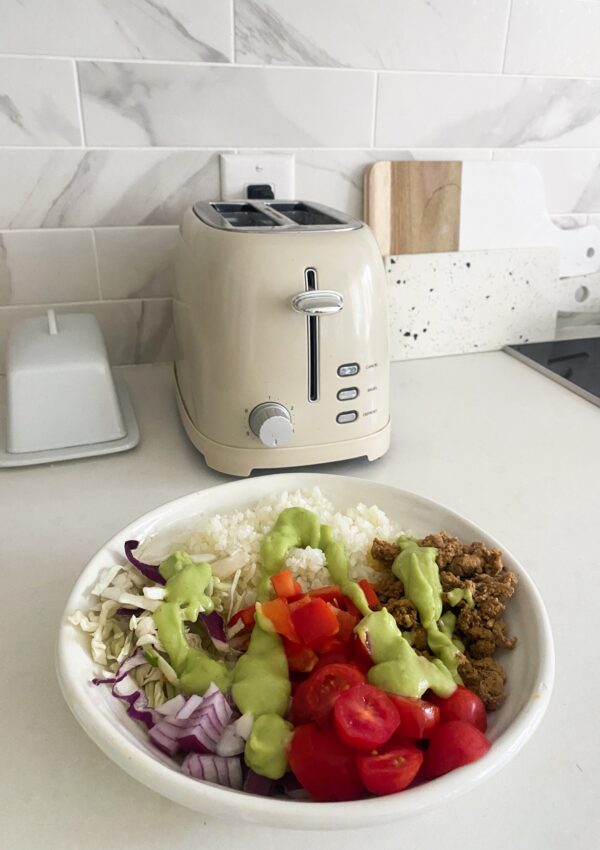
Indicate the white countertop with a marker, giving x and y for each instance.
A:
(484, 434)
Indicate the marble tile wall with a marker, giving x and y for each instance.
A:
(113, 113)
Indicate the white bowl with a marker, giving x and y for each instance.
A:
(530, 666)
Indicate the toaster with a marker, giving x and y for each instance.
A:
(280, 315)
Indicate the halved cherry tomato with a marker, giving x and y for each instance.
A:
(315, 622)
(365, 717)
(392, 771)
(300, 658)
(453, 745)
(347, 623)
(323, 765)
(316, 697)
(361, 653)
(418, 718)
(246, 615)
(370, 592)
(284, 584)
(334, 651)
(463, 704)
(278, 613)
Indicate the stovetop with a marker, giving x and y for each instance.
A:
(574, 363)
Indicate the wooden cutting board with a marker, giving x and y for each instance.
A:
(414, 207)
(440, 207)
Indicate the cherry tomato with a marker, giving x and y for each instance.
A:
(323, 765)
(463, 704)
(454, 744)
(392, 771)
(317, 695)
(418, 718)
(365, 717)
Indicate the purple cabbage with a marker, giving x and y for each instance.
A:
(254, 783)
(216, 630)
(149, 570)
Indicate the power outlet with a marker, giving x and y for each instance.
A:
(238, 171)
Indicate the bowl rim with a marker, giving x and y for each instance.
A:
(299, 814)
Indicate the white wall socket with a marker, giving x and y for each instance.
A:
(238, 171)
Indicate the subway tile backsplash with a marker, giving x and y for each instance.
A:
(111, 127)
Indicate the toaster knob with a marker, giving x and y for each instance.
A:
(272, 424)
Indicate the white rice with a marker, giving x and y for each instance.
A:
(224, 534)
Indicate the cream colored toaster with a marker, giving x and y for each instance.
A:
(282, 335)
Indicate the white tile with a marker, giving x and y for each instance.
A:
(136, 262)
(554, 37)
(134, 331)
(119, 29)
(428, 35)
(335, 177)
(458, 110)
(103, 187)
(571, 177)
(38, 103)
(42, 266)
(193, 105)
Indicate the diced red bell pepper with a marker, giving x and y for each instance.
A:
(329, 593)
(278, 613)
(314, 622)
(347, 623)
(294, 603)
(361, 653)
(246, 615)
(301, 659)
(334, 651)
(370, 591)
(284, 584)
(351, 608)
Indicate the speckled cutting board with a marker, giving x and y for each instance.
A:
(470, 301)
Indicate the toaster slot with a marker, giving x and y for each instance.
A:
(245, 215)
(304, 214)
(310, 282)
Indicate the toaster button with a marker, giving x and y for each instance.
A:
(348, 394)
(347, 416)
(346, 370)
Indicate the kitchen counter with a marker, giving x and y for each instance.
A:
(484, 434)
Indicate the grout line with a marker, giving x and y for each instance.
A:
(59, 304)
(374, 120)
(97, 262)
(79, 104)
(232, 44)
(506, 34)
(441, 72)
(316, 148)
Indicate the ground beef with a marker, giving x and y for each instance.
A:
(486, 678)
(482, 629)
(384, 551)
(463, 559)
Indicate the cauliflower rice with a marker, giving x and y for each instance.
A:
(242, 532)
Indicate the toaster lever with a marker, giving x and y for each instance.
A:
(320, 302)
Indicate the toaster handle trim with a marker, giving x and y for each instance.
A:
(320, 302)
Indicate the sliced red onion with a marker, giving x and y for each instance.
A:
(209, 768)
(243, 725)
(149, 570)
(254, 783)
(190, 705)
(162, 741)
(230, 743)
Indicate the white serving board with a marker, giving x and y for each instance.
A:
(470, 301)
(503, 205)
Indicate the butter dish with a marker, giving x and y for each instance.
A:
(62, 400)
